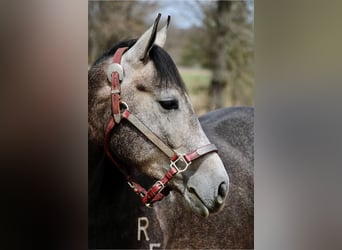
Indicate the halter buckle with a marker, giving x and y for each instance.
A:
(162, 186)
(183, 164)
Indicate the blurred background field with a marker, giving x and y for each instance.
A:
(211, 42)
(197, 81)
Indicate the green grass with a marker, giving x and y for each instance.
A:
(197, 82)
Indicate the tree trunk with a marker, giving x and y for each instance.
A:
(220, 47)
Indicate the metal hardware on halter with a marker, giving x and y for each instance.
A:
(114, 67)
(123, 106)
(135, 189)
(161, 185)
(115, 91)
(131, 184)
(180, 159)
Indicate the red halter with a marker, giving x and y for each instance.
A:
(179, 162)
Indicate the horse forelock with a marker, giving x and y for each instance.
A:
(166, 70)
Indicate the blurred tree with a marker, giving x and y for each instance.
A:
(112, 21)
(224, 44)
(220, 32)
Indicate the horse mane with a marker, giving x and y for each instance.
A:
(167, 72)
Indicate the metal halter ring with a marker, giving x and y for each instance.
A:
(181, 160)
(123, 106)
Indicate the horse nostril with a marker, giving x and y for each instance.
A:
(222, 192)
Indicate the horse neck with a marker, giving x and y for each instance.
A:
(169, 214)
(105, 179)
(111, 203)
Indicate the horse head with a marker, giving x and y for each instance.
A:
(152, 89)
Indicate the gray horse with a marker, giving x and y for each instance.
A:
(156, 118)
(170, 224)
(232, 130)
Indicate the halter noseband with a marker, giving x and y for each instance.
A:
(178, 162)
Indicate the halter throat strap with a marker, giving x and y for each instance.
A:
(178, 162)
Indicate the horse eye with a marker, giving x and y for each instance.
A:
(169, 104)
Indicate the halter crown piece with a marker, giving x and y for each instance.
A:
(178, 162)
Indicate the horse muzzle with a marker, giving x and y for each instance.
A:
(207, 188)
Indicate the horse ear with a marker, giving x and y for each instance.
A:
(161, 35)
(140, 50)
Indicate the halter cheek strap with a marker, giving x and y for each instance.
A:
(115, 76)
(178, 162)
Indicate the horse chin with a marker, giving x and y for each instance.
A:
(196, 204)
